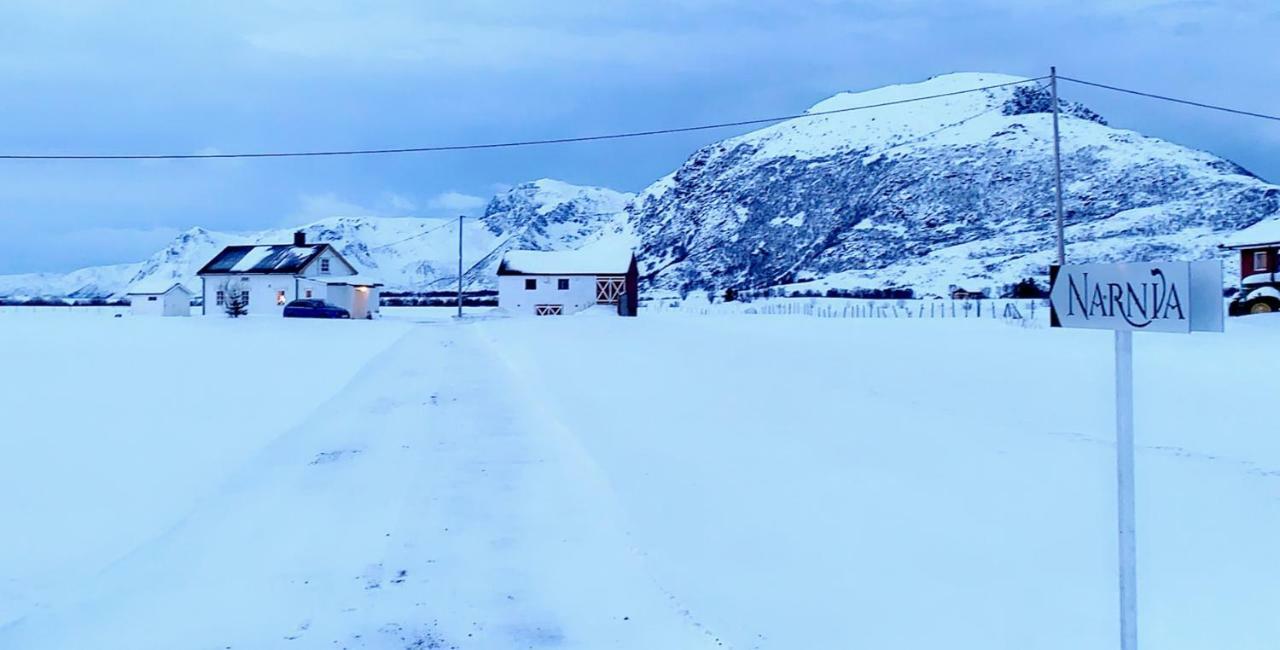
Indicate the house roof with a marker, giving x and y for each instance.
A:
(156, 286)
(594, 261)
(285, 259)
(1263, 233)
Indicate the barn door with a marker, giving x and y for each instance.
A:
(608, 288)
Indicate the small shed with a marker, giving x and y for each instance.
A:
(960, 293)
(159, 298)
(555, 283)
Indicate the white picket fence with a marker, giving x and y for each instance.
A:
(1026, 310)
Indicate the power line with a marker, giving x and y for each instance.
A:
(1173, 99)
(446, 224)
(503, 145)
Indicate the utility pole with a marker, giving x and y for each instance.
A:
(1057, 163)
(459, 266)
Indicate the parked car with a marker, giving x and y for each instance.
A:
(312, 308)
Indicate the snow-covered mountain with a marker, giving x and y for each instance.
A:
(548, 215)
(956, 190)
(410, 254)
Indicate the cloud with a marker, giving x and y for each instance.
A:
(314, 207)
(322, 206)
(457, 202)
(59, 250)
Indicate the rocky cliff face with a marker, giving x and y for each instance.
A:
(547, 215)
(957, 190)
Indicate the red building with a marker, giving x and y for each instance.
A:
(1259, 249)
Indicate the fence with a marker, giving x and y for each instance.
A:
(1023, 310)
(75, 310)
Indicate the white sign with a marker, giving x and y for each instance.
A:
(1147, 296)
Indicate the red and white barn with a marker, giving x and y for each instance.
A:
(554, 283)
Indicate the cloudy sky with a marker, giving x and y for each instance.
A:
(129, 77)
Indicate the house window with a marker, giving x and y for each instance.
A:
(151, 298)
(324, 265)
(220, 298)
(244, 295)
(530, 284)
(308, 293)
(562, 284)
(1260, 262)
(279, 297)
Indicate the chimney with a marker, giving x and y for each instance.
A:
(299, 238)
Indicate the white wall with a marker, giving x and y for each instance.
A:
(176, 303)
(262, 292)
(336, 266)
(352, 299)
(146, 305)
(513, 297)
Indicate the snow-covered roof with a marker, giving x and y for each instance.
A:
(357, 280)
(1264, 232)
(287, 259)
(593, 261)
(156, 286)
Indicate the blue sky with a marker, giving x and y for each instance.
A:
(87, 76)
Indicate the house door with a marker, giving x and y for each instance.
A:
(608, 288)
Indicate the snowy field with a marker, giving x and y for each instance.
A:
(668, 481)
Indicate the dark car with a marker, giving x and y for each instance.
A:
(312, 308)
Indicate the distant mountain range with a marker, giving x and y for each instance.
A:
(407, 254)
(951, 191)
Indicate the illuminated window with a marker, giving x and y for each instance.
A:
(1260, 261)
(279, 297)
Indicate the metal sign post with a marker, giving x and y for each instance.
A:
(1158, 297)
(1125, 492)
(460, 266)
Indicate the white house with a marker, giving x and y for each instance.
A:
(155, 298)
(272, 275)
(552, 283)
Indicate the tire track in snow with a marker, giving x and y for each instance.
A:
(536, 403)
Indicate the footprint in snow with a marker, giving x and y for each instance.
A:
(334, 456)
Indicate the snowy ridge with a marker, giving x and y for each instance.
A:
(954, 190)
(405, 253)
(550, 215)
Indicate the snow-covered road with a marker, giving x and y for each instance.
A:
(685, 482)
(430, 502)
